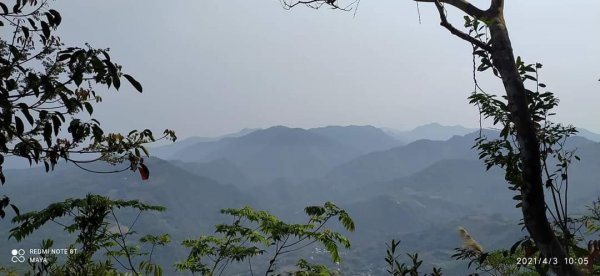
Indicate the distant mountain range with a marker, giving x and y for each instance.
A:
(432, 131)
(277, 152)
(592, 136)
(416, 191)
(266, 155)
(167, 151)
(438, 132)
(401, 161)
(366, 139)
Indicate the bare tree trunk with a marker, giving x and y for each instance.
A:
(532, 189)
(533, 204)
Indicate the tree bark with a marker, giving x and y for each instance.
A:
(532, 188)
(532, 191)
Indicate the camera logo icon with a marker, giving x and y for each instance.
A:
(18, 255)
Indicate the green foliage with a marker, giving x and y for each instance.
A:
(307, 269)
(591, 224)
(89, 220)
(47, 87)
(515, 261)
(88, 213)
(8, 271)
(255, 233)
(396, 268)
(500, 262)
(592, 221)
(504, 152)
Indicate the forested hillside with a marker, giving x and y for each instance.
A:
(299, 138)
(417, 193)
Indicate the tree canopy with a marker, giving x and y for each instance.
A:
(48, 91)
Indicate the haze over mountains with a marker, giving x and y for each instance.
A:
(394, 184)
(433, 131)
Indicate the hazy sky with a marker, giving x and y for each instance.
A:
(210, 67)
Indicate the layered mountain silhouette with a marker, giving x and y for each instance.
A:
(167, 151)
(432, 131)
(277, 152)
(418, 192)
(402, 161)
(366, 139)
(592, 136)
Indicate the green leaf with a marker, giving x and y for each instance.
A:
(88, 107)
(60, 115)
(78, 78)
(56, 123)
(19, 125)
(17, 7)
(4, 8)
(63, 57)
(514, 247)
(57, 17)
(25, 31)
(25, 110)
(45, 29)
(50, 18)
(15, 52)
(15, 209)
(133, 82)
(346, 221)
(48, 133)
(114, 74)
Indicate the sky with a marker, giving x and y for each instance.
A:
(212, 67)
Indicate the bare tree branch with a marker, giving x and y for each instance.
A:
(444, 22)
(462, 5)
(316, 4)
